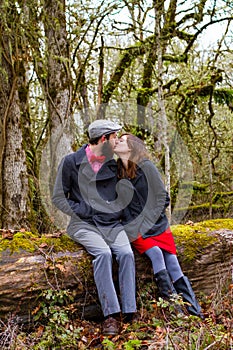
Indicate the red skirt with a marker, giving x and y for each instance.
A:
(164, 241)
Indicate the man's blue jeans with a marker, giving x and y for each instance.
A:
(102, 252)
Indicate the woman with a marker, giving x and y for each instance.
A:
(145, 219)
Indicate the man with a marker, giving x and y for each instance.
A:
(85, 189)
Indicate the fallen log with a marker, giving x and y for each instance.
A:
(58, 263)
(24, 276)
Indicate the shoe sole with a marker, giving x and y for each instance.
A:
(110, 333)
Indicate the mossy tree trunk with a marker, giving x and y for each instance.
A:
(14, 187)
(20, 198)
(58, 89)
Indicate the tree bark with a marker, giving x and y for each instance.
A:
(163, 122)
(61, 129)
(14, 189)
(24, 275)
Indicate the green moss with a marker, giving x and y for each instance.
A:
(203, 206)
(192, 239)
(222, 195)
(197, 187)
(59, 244)
(20, 241)
(30, 242)
(215, 224)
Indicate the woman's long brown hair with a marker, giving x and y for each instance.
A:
(138, 153)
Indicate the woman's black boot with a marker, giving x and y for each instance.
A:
(166, 288)
(164, 283)
(183, 287)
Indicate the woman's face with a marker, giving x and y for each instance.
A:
(121, 146)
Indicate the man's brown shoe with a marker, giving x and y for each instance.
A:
(131, 317)
(110, 326)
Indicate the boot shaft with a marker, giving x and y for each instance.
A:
(183, 287)
(164, 283)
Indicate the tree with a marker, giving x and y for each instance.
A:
(87, 55)
(14, 185)
(179, 32)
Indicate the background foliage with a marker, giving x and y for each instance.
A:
(148, 64)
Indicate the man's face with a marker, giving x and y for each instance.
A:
(109, 145)
(112, 139)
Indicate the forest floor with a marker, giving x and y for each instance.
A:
(157, 327)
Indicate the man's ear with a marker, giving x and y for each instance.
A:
(103, 138)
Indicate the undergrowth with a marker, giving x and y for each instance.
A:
(158, 326)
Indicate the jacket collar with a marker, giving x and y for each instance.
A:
(80, 155)
(105, 172)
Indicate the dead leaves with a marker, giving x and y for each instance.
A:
(7, 234)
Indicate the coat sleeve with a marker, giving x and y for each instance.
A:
(61, 193)
(157, 197)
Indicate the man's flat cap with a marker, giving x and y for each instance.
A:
(102, 127)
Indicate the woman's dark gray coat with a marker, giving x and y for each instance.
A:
(145, 213)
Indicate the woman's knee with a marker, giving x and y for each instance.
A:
(154, 252)
(173, 266)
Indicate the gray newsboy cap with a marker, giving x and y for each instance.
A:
(102, 127)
